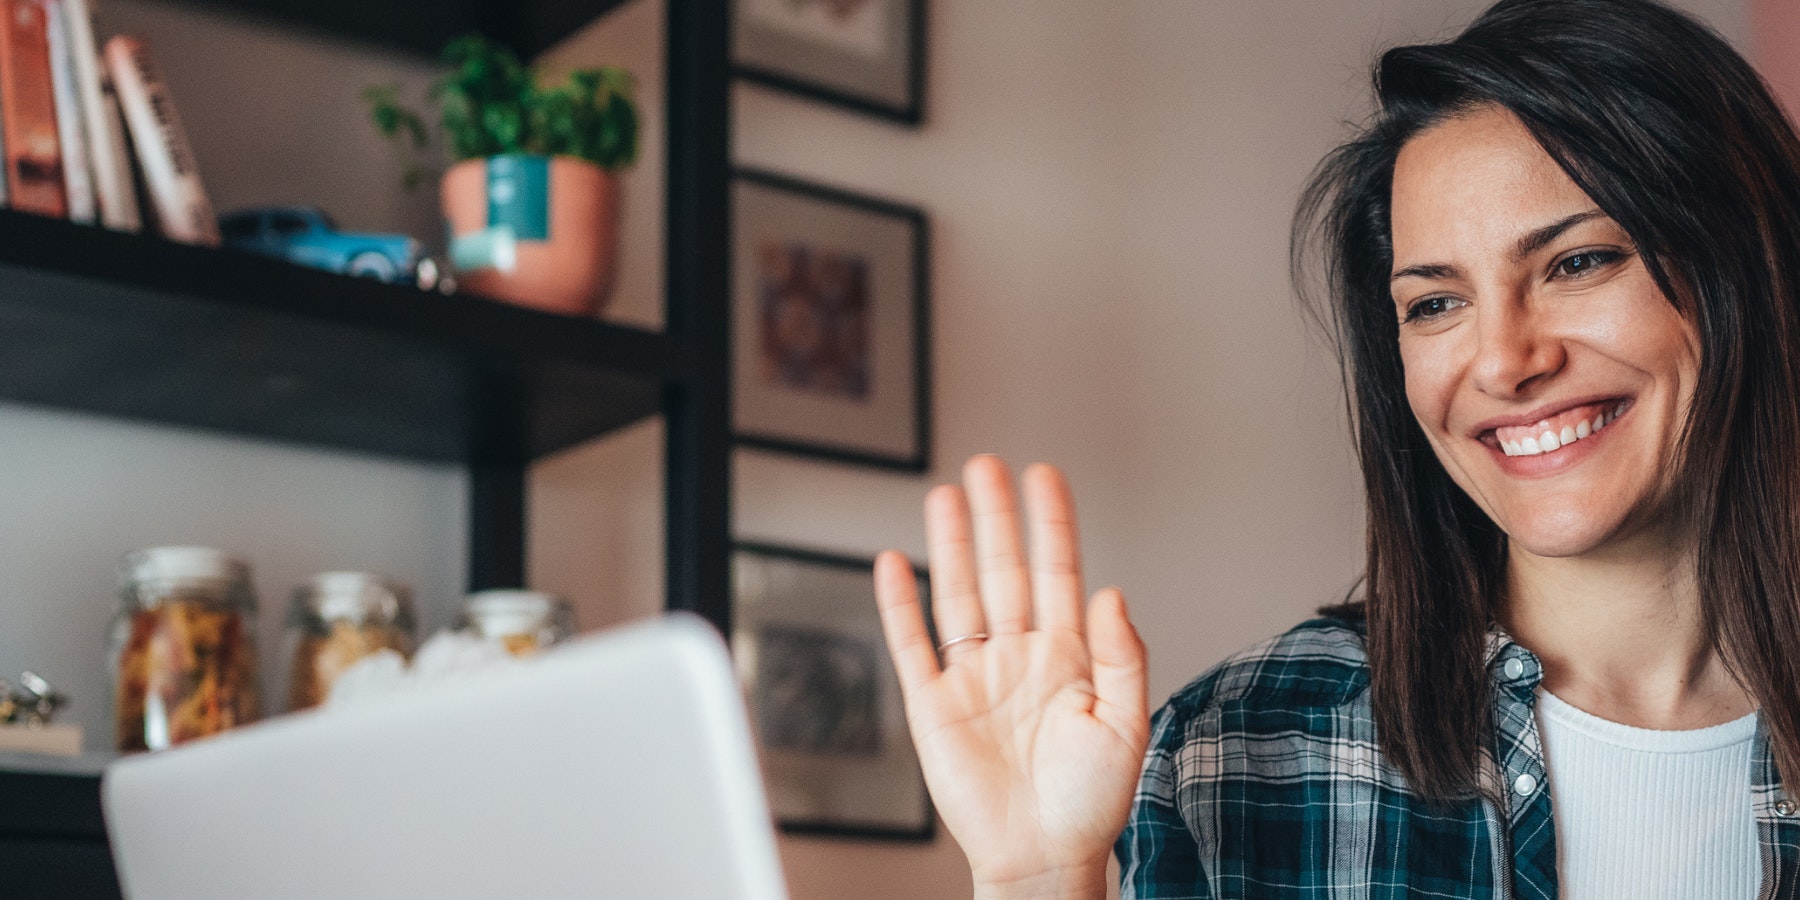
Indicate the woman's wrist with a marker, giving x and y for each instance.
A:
(1086, 881)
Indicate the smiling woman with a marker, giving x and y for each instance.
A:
(1575, 211)
(1560, 263)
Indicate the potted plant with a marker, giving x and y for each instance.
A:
(532, 194)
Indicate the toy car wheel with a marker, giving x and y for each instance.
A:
(371, 264)
(425, 273)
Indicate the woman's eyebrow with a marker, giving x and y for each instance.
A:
(1426, 270)
(1537, 238)
(1533, 241)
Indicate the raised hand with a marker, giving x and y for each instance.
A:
(1032, 725)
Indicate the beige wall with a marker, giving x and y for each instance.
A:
(1776, 25)
(1109, 185)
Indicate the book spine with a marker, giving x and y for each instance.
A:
(33, 150)
(78, 176)
(167, 160)
(3, 179)
(111, 164)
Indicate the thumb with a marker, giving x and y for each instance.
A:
(1121, 676)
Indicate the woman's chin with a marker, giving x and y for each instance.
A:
(1561, 537)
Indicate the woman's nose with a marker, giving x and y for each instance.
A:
(1514, 351)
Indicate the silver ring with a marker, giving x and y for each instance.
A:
(972, 636)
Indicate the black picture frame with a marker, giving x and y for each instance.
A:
(815, 755)
(797, 223)
(888, 83)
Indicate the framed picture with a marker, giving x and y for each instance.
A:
(823, 697)
(868, 55)
(830, 323)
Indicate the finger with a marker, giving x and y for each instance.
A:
(1121, 677)
(1000, 560)
(1056, 589)
(903, 622)
(955, 598)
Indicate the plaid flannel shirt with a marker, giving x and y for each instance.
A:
(1264, 780)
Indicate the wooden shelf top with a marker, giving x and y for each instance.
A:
(422, 27)
(143, 328)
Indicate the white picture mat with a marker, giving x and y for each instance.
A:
(862, 30)
(884, 423)
(792, 45)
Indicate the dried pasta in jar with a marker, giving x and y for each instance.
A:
(336, 620)
(183, 647)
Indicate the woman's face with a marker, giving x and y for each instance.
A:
(1546, 367)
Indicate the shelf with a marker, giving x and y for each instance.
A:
(422, 27)
(142, 328)
(52, 840)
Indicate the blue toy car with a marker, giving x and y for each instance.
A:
(306, 236)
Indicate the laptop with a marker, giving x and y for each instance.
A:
(619, 765)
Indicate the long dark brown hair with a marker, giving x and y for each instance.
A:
(1674, 136)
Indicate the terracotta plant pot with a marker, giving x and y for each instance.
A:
(538, 231)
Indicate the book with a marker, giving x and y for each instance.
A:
(27, 95)
(108, 160)
(77, 168)
(3, 202)
(164, 156)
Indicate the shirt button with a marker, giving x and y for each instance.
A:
(1525, 784)
(1514, 668)
(1784, 807)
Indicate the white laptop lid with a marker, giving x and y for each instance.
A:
(616, 766)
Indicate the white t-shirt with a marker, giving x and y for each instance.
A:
(1650, 814)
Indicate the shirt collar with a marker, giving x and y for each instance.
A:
(1509, 664)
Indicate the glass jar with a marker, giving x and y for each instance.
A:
(183, 647)
(524, 621)
(335, 620)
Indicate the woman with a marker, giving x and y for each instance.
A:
(1560, 261)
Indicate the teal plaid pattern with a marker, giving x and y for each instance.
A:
(1264, 780)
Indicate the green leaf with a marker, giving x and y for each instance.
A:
(490, 103)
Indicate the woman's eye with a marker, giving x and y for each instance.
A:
(1578, 264)
(1430, 308)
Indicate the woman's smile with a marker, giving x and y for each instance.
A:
(1551, 433)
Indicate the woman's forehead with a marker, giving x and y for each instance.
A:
(1473, 185)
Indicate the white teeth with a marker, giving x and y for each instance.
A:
(1550, 440)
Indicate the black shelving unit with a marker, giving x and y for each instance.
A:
(420, 27)
(52, 840)
(140, 328)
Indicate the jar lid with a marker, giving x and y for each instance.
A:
(163, 564)
(356, 596)
(504, 611)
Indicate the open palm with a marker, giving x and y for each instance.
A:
(1031, 731)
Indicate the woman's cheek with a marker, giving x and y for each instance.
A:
(1427, 392)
